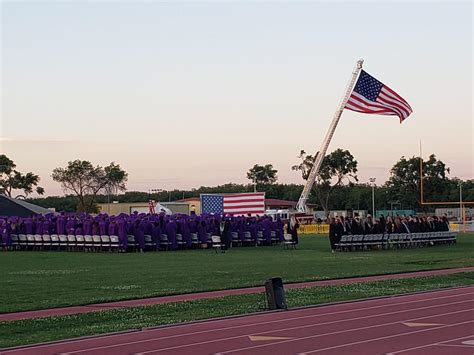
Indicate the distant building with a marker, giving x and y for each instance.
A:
(186, 206)
(276, 204)
(141, 207)
(194, 204)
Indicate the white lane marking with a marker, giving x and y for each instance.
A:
(385, 337)
(300, 327)
(427, 345)
(455, 345)
(258, 323)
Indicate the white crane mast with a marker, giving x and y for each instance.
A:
(318, 159)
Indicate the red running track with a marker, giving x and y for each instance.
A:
(437, 322)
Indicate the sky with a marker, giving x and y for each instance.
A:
(184, 94)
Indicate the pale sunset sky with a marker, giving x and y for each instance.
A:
(184, 94)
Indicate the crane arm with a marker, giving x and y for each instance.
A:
(301, 205)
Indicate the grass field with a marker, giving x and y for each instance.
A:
(54, 328)
(37, 280)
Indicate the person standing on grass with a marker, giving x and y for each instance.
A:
(332, 234)
(293, 226)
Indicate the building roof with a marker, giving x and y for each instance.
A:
(278, 202)
(189, 199)
(13, 207)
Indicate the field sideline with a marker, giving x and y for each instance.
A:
(39, 280)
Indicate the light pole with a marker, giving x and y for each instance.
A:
(150, 191)
(372, 181)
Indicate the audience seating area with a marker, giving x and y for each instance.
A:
(393, 241)
(65, 242)
(96, 243)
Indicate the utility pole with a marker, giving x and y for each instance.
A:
(372, 181)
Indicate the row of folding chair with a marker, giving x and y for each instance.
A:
(263, 241)
(65, 242)
(396, 240)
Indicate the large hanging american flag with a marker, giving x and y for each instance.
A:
(237, 204)
(371, 96)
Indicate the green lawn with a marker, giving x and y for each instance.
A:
(36, 280)
(54, 328)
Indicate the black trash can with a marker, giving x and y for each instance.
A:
(275, 293)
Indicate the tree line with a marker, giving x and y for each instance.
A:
(336, 187)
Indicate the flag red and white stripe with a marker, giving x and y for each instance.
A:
(245, 203)
(371, 96)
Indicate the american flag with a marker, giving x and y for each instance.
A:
(371, 96)
(238, 204)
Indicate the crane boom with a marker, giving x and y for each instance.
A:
(301, 206)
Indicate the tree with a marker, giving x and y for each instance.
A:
(11, 179)
(262, 174)
(86, 181)
(404, 182)
(336, 167)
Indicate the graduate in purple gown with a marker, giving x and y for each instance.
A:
(70, 225)
(29, 228)
(61, 224)
(122, 233)
(46, 226)
(39, 226)
(95, 227)
(5, 231)
(102, 226)
(186, 232)
(112, 227)
(265, 228)
(139, 233)
(87, 226)
(252, 228)
(78, 230)
(156, 233)
(171, 228)
(241, 230)
(202, 232)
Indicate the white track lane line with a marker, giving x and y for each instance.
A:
(428, 345)
(301, 327)
(385, 337)
(256, 324)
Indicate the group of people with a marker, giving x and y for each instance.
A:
(141, 224)
(340, 226)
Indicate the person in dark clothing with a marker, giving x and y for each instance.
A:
(226, 236)
(382, 224)
(356, 226)
(292, 228)
(333, 234)
(340, 229)
(369, 225)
